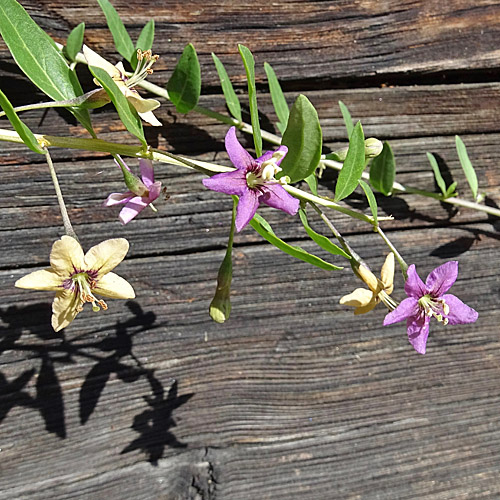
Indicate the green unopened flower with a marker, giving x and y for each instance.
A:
(379, 289)
(144, 107)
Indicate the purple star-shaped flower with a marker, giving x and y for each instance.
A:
(142, 191)
(430, 300)
(253, 181)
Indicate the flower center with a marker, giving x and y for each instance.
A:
(83, 284)
(437, 308)
(144, 62)
(265, 172)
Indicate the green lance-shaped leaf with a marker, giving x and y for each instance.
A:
(279, 101)
(144, 42)
(469, 171)
(354, 164)
(264, 229)
(383, 170)
(24, 132)
(39, 58)
(232, 101)
(123, 42)
(303, 138)
(249, 64)
(74, 42)
(371, 199)
(184, 86)
(437, 173)
(127, 113)
(319, 239)
(347, 118)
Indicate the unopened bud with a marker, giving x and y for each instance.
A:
(373, 147)
(220, 307)
(133, 183)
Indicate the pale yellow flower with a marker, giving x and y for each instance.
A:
(379, 289)
(144, 107)
(76, 277)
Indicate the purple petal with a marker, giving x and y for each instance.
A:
(247, 206)
(275, 196)
(234, 182)
(147, 171)
(442, 278)
(460, 313)
(238, 155)
(414, 286)
(131, 209)
(407, 309)
(418, 331)
(118, 198)
(154, 191)
(269, 154)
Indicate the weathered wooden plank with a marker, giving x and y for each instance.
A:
(332, 41)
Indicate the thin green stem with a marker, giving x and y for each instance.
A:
(399, 258)
(68, 228)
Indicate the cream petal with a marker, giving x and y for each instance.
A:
(150, 118)
(387, 273)
(359, 298)
(94, 59)
(367, 308)
(64, 309)
(140, 104)
(114, 286)
(45, 279)
(66, 256)
(106, 255)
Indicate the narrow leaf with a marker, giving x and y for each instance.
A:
(122, 40)
(383, 170)
(319, 239)
(354, 164)
(264, 229)
(249, 64)
(371, 199)
(312, 182)
(347, 118)
(127, 113)
(279, 101)
(437, 173)
(232, 101)
(469, 171)
(303, 137)
(24, 132)
(451, 190)
(39, 58)
(184, 86)
(74, 42)
(146, 37)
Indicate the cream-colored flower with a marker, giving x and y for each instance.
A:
(144, 107)
(379, 289)
(75, 277)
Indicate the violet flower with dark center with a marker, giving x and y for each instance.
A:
(253, 181)
(430, 300)
(142, 192)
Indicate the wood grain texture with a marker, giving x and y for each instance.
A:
(293, 397)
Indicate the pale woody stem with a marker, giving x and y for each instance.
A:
(68, 228)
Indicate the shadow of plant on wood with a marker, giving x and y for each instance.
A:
(112, 355)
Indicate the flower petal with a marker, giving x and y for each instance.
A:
(150, 118)
(247, 206)
(66, 256)
(154, 191)
(460, 313)
(140, 104)
(94, 59)
(408, 308)
(418, 331)
(359, 298)
(269, 154)
(118, 198)
(387, 273)
(64, 309)
(133, 208)
(442, 278)
(275, 196)
(234, 182)
(147, 171)
(414, 286)
(45, 279)
(238, 155)
(114, 286)
(106, 255)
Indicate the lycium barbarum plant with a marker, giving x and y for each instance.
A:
(273, 178)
